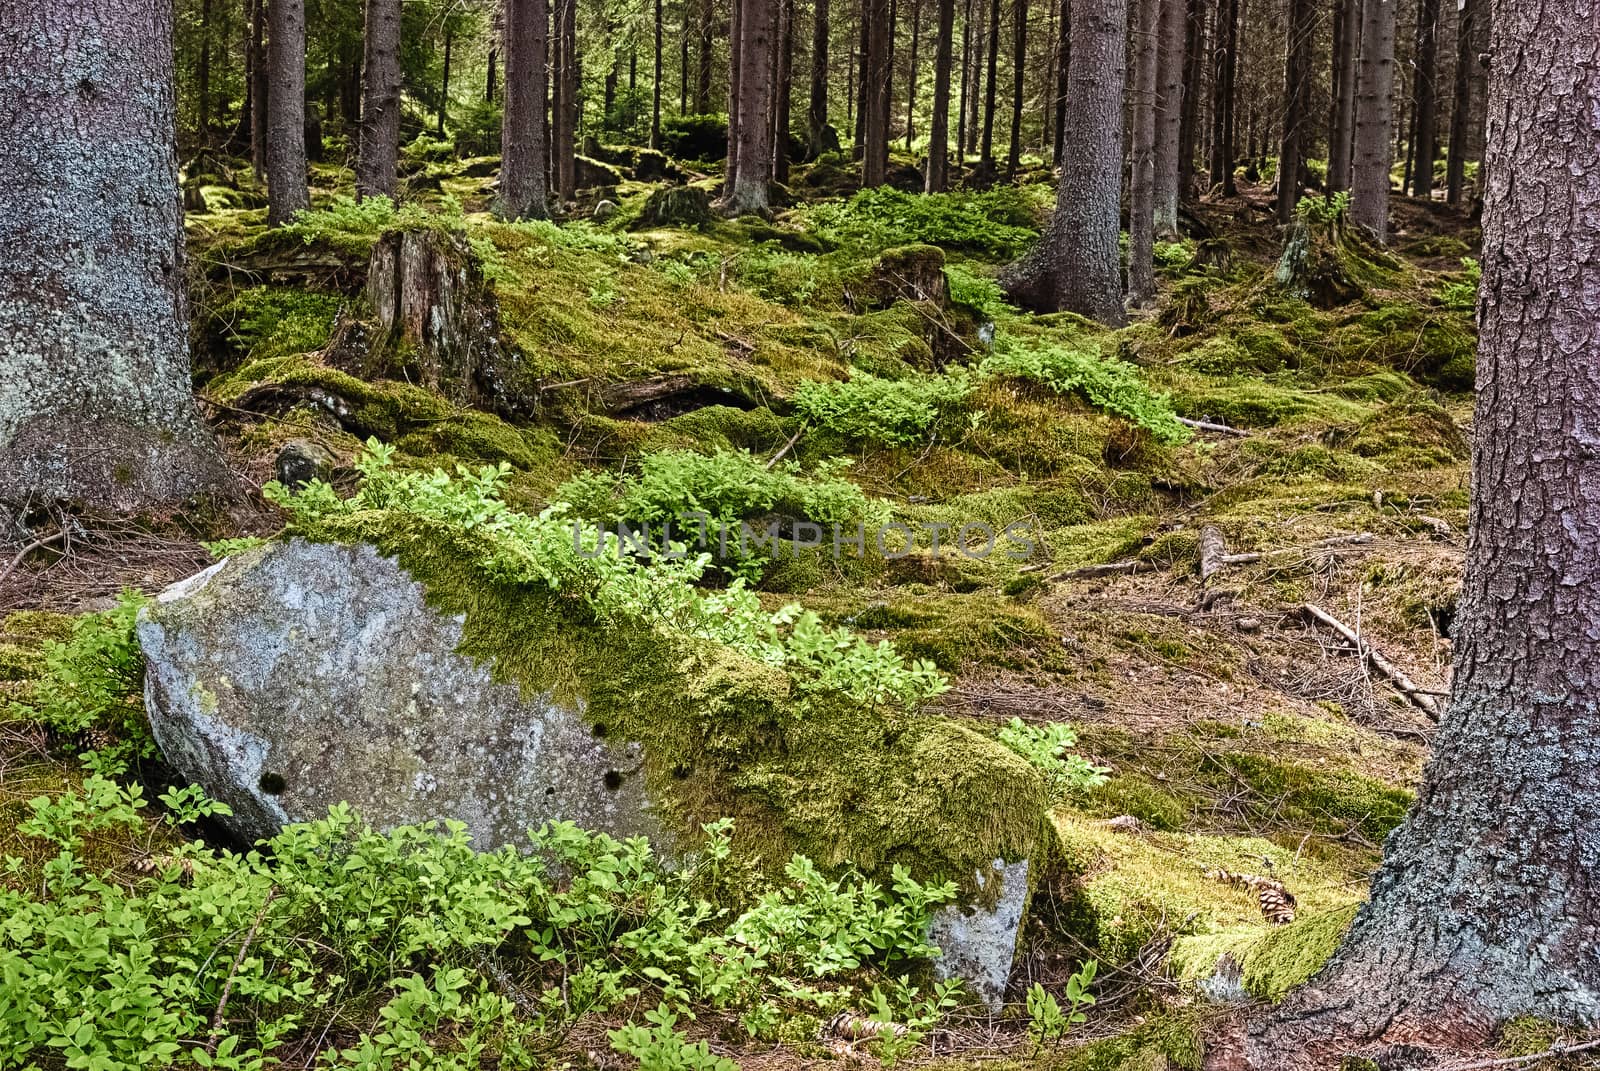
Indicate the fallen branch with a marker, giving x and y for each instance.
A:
(1220, 429)
(217, 1017)
(786, 447)
(1519, 1061)
(1213, 552)
(1396, 676)
(1132, 565)
(1247, 557)
(37, 544)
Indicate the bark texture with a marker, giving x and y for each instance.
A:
(563, 141)
(1019, 65)
(95, 407)
(817, 113)
(1423, 93)
(524, 130)
(750, 193)
(287, 189)
(379, 148)
(1173, 34)
(1467, 118)
(1225, 68)
(1487, 905)
(875, 95)
(1076, 265)
(937, 178)
(1142, 170)
(1347, 36)
(1297, 105)
(1373, 149)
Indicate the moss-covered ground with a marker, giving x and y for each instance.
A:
(1238, 734)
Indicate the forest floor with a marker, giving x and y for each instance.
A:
(1325, 444)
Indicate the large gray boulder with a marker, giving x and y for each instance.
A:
(302, 675)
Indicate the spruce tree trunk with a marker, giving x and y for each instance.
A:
(1019, 66)
(749, 194)
(1372, 146)
(781, 82)
(1194, 69)
(911, 86)
(1427, 122)
(203, 75)
(95, 409)
(1077, 264)
(563, 141)
(1348, 41)
(444, 84)
(1223, 128)
(1466, 121)
(986, 144)
(735, 53)
(876, 81)
(1063, 67)
(1172, 33)
(966, 84)
(379, 149)
(683, 57)
(702, 88)
(655, 89)
(259, 83)
(1297, 104)
(817, 112)
(287, 189)
(937, 177)
(524, 129)
(1486, 906)
(1142, 163)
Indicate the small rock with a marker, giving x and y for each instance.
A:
(300, 461)
(604, 211)
(1123, 823)
(1248, 624)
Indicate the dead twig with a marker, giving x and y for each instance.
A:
(1396, 676)
(1522, 1061)
(29, 549)
(1132, 565)
(1220, 429)
(1213, 551)
(786, 447)
(217, 1020)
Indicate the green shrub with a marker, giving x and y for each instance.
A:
(273, 321)
(869, 409)
(998, 222)
(1048, 748)
(351, 226)
(977, 292)
(1106, 383)
(695, 137)
(1462, 293)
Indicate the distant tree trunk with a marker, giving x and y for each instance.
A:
(203, 74)
(608, 88)
(753, 163)
(1372, 147)
(563, 142)
(96, 409)
(524, 133)
(1193, 76)
(683, 57)
(736, 47)
(1466, 120)
(287, 190)
(444, 83)
(1142, 171)
(1019, 66)
(966, 84)
(911, 89)
(1077, 265)
(1297, 101)
(702, 88)
(986, 145)
(1063, 66)
(862, 96)
(1424, 93)
(817, 113)
(379, 137)
(875, 98)
(937, 177)
(488, 82)
(1226, 65)
(1485, 907)
(259, 90)
(1171, 35)
(781, 82)
(655, 90)
(1347, 46)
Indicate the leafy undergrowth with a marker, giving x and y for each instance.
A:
(1030, 493)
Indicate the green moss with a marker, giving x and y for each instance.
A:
(724, 735)
(1273, 959)
(1328, 801)
(958, 632)
(1261, 403)
(270, 321)
(1415, 434)
(1169, 1042)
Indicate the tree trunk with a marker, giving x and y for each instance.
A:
(781, 82)
(1347, 38)
(1226, 66)
(986, 145)
(1077, 264)
(563, 141)
(683, 57)
(1142, 170)
(1427, 122)
(1193, 74)
(1297, 104)
(1486, 907)
(96, 409)
(258, 89)
(1466, 121)
(1372, 147)
(655, 90)
(966, 84)
(379, 148)
(1171, 38)
(1019, 65)
(287, 190)
(911, 87)
(817, 113)
(444, 83)
(937, 177)
(861, 95)
(875, 97)
(749, 194)
(524, 134)
(735, 58)
(1063, 67)
(702, 88)
(203, 75)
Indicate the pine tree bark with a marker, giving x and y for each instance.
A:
(1077, 264)
(875, 95)
(96, 408)
(750, 191)
(781, 81)
(1223, 126)
(937, 177)
(1485, 906)
(817, 112)
(379, 135)
(911, 81)
(702, 88)
(655, 89)
(524, 130)
(1424, 93)
(962, 124)
(1347, 34)
(986, 141)
(1019, 67)
(1466, 120)
(1063, 68)
(287, 189)
(1172, 34)
(1297, 104)
(1372, 146)
(1142, 162)
(259, 88)
(564, 114)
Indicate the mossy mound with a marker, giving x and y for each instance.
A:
(676, 206)
(1416, 434)
(1272, 960)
